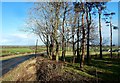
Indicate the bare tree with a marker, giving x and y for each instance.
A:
(83, 39)
(100, 6)
(109, 16)
(89, 7)
(65, 9)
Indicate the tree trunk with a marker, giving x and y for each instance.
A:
(110, 39)
(73, 38)
(88, 36)
(63, 49)
(51, 46)
(100, 34)
(73, 47)
(78, 49)
(63, 37)
(55, 32)
(83, 43)
(48, 47)
(57, 51)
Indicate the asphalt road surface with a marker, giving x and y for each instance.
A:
(7, 65)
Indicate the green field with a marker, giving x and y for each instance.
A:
(14, 50)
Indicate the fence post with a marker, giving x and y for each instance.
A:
(36, 48)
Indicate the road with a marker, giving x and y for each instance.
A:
(7, 65)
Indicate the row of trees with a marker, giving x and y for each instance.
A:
(60, 23)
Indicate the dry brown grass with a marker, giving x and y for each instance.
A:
(24, 70)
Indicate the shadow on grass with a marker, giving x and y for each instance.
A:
(107, 69)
